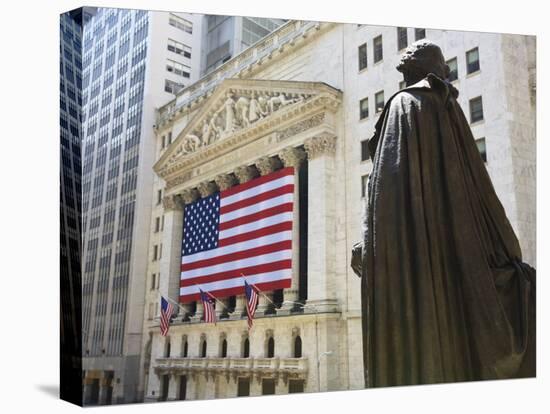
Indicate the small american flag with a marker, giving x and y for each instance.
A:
(208, 303)
(251, 302)
(246, 229)
(166, 310)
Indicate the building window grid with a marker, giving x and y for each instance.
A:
(178, 68)
(179, 48)
(180, 23)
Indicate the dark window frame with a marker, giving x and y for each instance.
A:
(476, 114)
(472, 67)
(364, 113)
(378, 49)
(402, 38)
(362, 56)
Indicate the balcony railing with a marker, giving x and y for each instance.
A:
(245, 366)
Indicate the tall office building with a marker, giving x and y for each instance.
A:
(227, 36)
(132, 62)
(70, 101)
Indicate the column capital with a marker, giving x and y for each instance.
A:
(207, 188)
(172, 202)
(245, 173)
(266, 165)
(190, 195)
(225, 181)
(292, 157)
(321, 144)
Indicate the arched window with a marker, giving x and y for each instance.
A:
(167, 348)
(203, 348)
(246, 348)
(270, 347)
(297, 347)
(224, 348)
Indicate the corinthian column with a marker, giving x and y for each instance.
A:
(321, 222)
(243, 174)
(293, 157)
(170, 262)
(265, 166)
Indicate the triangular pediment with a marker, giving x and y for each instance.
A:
(240, 107)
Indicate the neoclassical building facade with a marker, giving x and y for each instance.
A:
(294, 99)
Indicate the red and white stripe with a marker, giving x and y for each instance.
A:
(255, 240)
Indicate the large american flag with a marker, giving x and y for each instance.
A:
(166, 310)
(245, 230)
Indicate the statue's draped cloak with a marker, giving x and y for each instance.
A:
(446, 296)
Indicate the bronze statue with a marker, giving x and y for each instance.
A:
(445, 294)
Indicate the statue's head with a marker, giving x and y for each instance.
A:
(420, 58)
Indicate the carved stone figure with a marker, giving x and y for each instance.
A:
(445, 294)
(207, 133)
(242, 108)
(191, 143)
(229, 111)
(278, 101)
(255, 110)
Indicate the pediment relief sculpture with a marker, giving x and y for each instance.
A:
(236, 111)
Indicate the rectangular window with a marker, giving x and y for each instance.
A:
(363, 61)
(179, 48)
(163, 142)
(378, 52)
(482, 148)
(172, 87)
(402, 41)
(155, 252)
(157, 224)
(180, 23)
(169, 138)
(178, 68)
(379, 101)
(419, 34)
(476, 109)
(364, 108)
(453, 69)
(365, 150)
(159, 197)
(364, 183)
(472, 60)
(153, 281)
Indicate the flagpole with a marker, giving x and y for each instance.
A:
(174, 302)
(259, 291)
(212, 296)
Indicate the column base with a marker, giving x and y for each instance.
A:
(321, 306)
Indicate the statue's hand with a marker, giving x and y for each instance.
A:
(356, 258)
